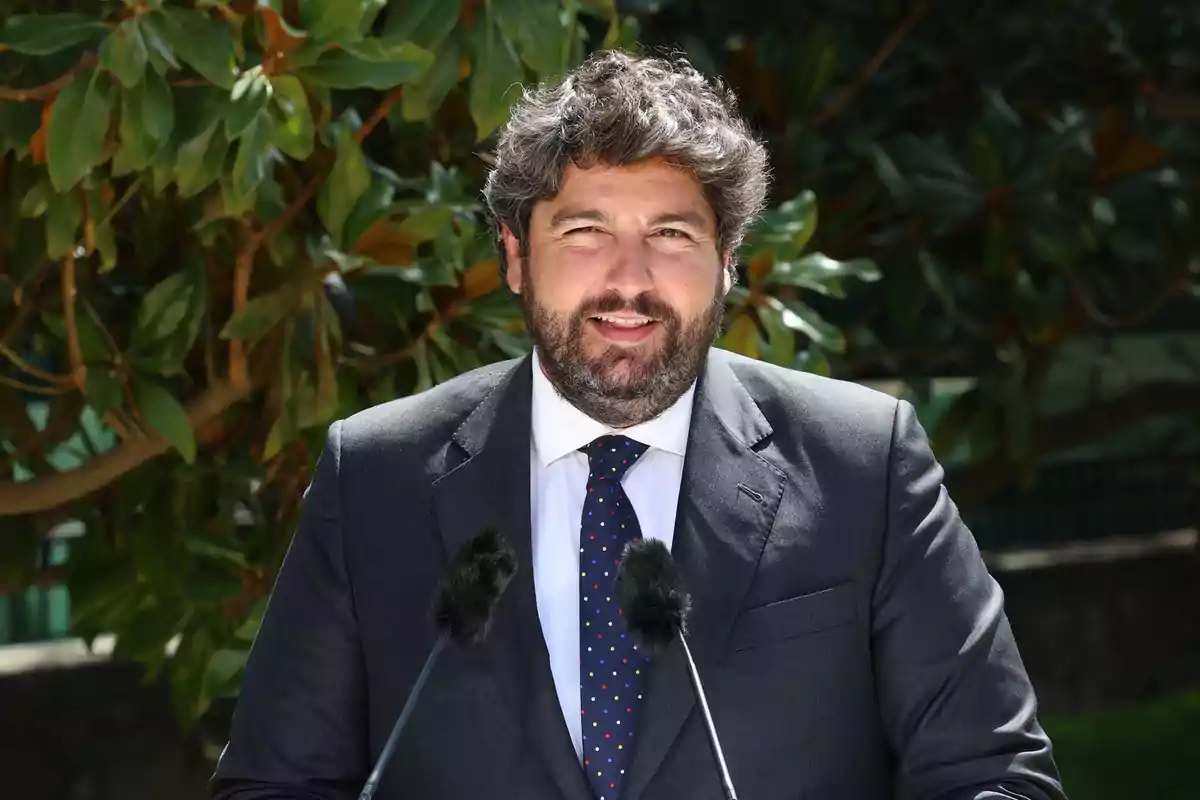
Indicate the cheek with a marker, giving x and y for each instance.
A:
(561, 287)
(689, 286)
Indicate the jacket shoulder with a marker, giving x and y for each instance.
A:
(432, 415)
(839, 414)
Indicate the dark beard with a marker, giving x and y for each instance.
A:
(649, 386)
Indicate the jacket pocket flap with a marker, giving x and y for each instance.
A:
(795, 616)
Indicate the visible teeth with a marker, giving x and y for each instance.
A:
(625, 322)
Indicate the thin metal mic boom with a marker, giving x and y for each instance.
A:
(713, 741)
(368, 790)
(462, 610)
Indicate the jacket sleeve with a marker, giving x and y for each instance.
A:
(956, 702)
(299, 729)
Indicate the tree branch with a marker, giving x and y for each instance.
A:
(868, 71)
(245, 259)
(48, 90)
(1132, 319)
(30, 369)
(60, 488)
(975, 483)
(78, 370)
(380, 113)
(27, 304)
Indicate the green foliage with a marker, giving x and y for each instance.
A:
(227, 224)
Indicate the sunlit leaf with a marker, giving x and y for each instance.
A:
(78, 124)
(165, 415)
(43, 34)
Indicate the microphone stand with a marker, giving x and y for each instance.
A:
(368, 790)
(714, 742)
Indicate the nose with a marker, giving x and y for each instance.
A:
(630, 273)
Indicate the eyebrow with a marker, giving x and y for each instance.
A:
(568, 215)
(690, 218)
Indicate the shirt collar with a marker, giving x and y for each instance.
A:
(560, 428)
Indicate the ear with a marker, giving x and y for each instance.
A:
(512, 254)
(727, 272)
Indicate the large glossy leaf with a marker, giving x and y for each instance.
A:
(541, 32)
(169, 318)
(263, 313)
(124, 53)
(77, 127)
(251, 93)
(800, 317)
(201, 159)
(103, 391)
(742, 336)
(347, 182)
(165, 415)
(423, 22)
(19, 122)
(368, 66)
(818, 268)
(147, 121)
(64, 214)
(495, 78)
(425, 95)
(253, 161)
(781, 339)
(205, 44)
(294, 130)
(340, 20)
(43, 34)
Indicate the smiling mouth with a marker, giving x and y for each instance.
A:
(624, 330)
(623, 322)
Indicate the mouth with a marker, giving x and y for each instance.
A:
(622, 328)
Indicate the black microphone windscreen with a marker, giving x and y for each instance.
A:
(470, 589)
(651, 593)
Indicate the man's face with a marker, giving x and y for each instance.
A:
(624, 287)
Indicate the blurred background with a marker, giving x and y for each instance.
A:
(226, 223)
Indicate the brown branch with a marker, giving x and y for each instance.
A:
(1134, 318)
(381, 360)
(975, 483)
(25, 387)
(60, 488)
(380, 113)
(868, 71)
(245, 259)
(27, 303)
(48, 90)
(30, 369)
(55, 490)
(78, 370)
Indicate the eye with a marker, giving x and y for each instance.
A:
(672, 233)
(583, 229)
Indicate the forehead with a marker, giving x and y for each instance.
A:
(646, 189)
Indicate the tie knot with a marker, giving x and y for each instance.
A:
(611, 456)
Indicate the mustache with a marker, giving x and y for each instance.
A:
(644, 304)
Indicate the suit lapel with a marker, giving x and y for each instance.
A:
(491, 488)
(720, 532)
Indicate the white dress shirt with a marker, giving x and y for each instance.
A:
(559, 475)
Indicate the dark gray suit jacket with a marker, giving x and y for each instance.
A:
(851, 641)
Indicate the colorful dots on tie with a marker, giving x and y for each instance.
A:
(597, 702)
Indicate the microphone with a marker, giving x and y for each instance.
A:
(462, 612)
(656, 606)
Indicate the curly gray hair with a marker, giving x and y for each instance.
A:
(618, 109)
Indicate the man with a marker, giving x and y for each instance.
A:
(852, 644)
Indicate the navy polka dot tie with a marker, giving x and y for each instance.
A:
(612, 669)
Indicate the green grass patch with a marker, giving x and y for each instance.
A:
(1147, 751)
